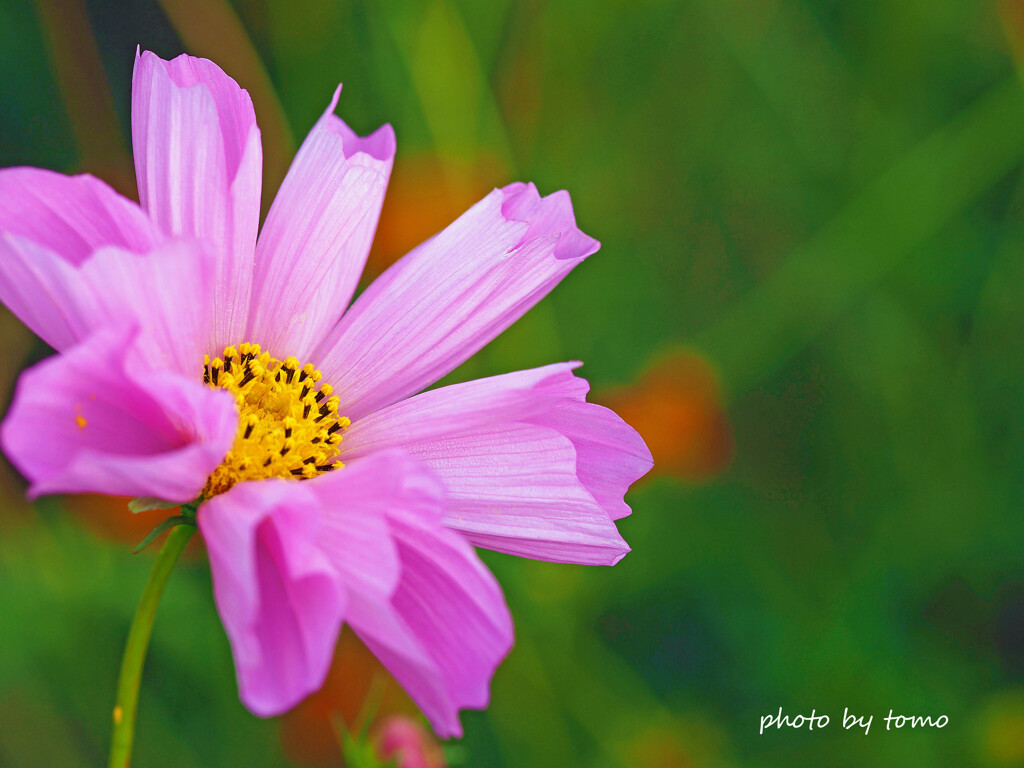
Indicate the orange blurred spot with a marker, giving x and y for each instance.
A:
(307, 732)
(677, 407)
(109, 517)
(1012, 14)
(424, 196)
(658, 748)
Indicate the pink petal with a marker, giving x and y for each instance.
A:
(279, 597)
(530, 468)
(93, 420)
(451, 295)
(71, 215)
(610, 454)
(49, 223)
(314, 244)
(199, 162)
(354, 533)
(418, 596)
(289, 559)
(513, 488)
(465, 406)
(166, 293)
(42, 289)
(447, 626)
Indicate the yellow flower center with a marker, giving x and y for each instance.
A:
(288, 422)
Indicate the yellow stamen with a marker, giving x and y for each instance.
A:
(288, 426)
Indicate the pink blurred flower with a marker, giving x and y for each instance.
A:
(406, 742)
(166, 316)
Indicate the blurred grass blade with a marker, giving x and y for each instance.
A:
(880, 227)
(797, 70)
(86, 92)
(449, 80)
(212, 29)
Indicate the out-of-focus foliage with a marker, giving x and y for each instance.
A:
(810, 295)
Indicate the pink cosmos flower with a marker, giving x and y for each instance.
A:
(184, 372)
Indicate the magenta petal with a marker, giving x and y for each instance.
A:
(93, 421)
(281, 601)
(315, 241)
(447, 626)
(451, 295)
(199, 163)
(71, 215)
(531, 469)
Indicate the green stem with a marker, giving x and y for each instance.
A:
(138, 641)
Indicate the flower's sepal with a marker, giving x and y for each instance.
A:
(149, 503)
(166, 525)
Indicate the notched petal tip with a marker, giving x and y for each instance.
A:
(547, 216)
(229, 101)
(618, 557)
(379, 147)
(186, 71)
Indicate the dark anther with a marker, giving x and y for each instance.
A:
(287, 431)
(305, 391)
(249, 376)
(289, 374)
(334, 428)
(306, 410)
(324, 467)
(216, 375)
(319, 396)
(248, 431)
(310, 460)
(267, 462)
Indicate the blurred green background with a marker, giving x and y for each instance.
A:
(810, 301)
